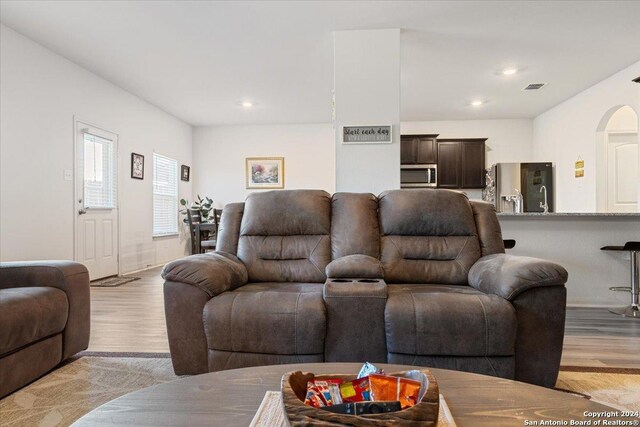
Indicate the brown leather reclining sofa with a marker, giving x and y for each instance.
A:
(44, 318)
(412, 277)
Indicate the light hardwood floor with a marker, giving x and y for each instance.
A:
(130, 318)
(595, 337)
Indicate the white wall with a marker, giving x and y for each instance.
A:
(219, 154)
(568, 131)
(367, 92)
(41, 92)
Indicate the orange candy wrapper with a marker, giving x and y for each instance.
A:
(388, 388)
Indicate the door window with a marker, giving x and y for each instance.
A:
(99, 173)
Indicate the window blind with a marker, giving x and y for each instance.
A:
(99, 172)
(165, 195)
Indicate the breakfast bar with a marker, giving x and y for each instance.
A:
(574, 240)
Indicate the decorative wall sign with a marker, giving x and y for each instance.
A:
(137, 166)
(367, 134)
(265, 172)
(579, 168)
(185, 172)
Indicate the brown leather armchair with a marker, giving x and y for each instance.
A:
(412, 276)
(44, 318)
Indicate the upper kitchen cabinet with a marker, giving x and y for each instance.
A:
(461, 163)
(449, 164)
(473, 163)
(418, 149)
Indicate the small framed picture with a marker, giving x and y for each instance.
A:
(137, 166)
(265, 172)
(185, 172)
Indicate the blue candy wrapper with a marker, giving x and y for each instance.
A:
(369, 368)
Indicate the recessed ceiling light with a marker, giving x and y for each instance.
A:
(509, 71)
(477, 103)
(247, 104)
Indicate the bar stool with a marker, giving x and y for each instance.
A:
(632, 310)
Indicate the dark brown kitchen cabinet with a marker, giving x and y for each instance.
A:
(449, 165)
(472, 154)
(407, 150)
(427, 152)
(418, 149)
(461, 163)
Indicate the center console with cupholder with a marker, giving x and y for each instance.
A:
(355, 319)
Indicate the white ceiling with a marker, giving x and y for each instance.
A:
(199, 60)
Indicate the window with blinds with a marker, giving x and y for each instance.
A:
(99, 172)
(165, 196)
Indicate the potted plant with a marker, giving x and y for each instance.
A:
(204, 206)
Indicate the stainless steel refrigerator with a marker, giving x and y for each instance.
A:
(521, 187)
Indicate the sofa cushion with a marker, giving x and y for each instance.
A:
(220, 360)
(29, 314)
(354, 225)
(448, 320)
(497, 366)
(428, 236)
(287, 213)
(273, 318)
(25, 365)
(284, 236)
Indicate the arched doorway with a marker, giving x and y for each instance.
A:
(617, 161)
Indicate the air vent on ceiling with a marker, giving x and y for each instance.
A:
(534, 86)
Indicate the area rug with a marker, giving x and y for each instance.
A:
(69, 392)
(63, 396)
(615, 387)
(112, 282)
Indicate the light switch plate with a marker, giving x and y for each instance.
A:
(68, 175)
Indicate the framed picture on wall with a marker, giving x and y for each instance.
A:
(185, 172)
(137, 166)
(265, 172)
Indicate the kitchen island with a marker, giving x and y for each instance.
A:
(573, 240)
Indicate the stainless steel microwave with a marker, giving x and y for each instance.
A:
(418, 176)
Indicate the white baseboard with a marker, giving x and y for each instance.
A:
(587, 305)
(143, 269)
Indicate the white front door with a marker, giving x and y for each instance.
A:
(96, 201)
(622, 172)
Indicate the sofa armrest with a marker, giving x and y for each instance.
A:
(347, 288)
(353, 266)
(68, 276)
(355, 320)
(189, 284)
(39, 273)
(508, 276)
(214, 273)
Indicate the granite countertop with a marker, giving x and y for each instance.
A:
(569, 214)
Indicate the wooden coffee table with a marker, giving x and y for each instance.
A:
(231, 398)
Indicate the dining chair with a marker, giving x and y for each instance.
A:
(202, 239)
